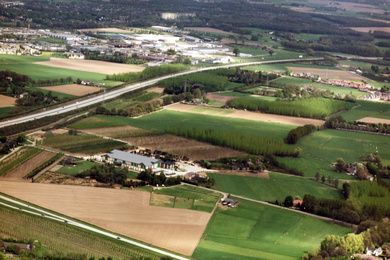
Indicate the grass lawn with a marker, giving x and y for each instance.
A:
(367, 108)
(24, 65)
(161, 120)
(255, 231)
(321, 149)
(277, 187)
(186, 197)
(79, 167)
(94, 122)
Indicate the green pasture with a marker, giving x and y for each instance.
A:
(321, 149)
(79, 167)
(5, 110)
(367, 109)
(188, 197)
(94, 122)
(214, 103)
(277, 187)
(82, 143)
(268, 67)
(233, 85)
(211, 111)
(308, 82)
(163, 119)
(255, 231)
(24, 65)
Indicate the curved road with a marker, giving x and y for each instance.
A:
(121, 91)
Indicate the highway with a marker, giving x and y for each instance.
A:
(117, 92)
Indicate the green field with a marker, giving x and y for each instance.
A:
(211, 111)
(24, 65)
(82, 143)
(79, 167)
(161, 120)
(367, 108)
(255, 231)
(5, 110)
(188, 197)
(321, 149)
(277, 187)
(94, 122)
(268, 67)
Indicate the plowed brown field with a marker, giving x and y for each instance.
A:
(73, 89)
(122, 211)
(6, 101)
(374, 120)
(91, 66)
(25, 168)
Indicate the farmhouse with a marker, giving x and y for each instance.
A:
(28, 247)
(133, 161)
(229, 202)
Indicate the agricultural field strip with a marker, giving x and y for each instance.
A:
(132, 87)
(77, 224)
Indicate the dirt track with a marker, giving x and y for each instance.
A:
(91, 66)
(6, 101)
(123, 211)
(73, 89)
(255, 116)
(332, 74)
(374, 120)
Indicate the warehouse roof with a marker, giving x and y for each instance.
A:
(132, 158)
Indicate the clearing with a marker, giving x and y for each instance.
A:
(332, 74)
(73, 89)
(255, 116)
(6, 101)
(183, 147)
(207, 29)
(157, 90)
(349, 7)
(122, 211)
(374, 120)
(95, 66)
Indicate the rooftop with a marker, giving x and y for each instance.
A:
(134, 158)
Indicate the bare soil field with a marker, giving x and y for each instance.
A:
(183, 147)
(126, 212)
(219, 97)
(332, 74)
(25, 168)
(367, 29)
(264, 174)
(113, 30)
(118, 131)
(374, 120)
(73, 89)
(256, 116)
(95, 66)
(157, 90)
(207, 29)
(59, 131)
(6, 101)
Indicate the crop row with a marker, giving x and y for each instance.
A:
(18, 158)
(250, 143)
(62, 237)
(43, 165)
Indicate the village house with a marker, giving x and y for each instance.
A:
(132, 161)
(27, 247)
(229, 202)
(374, 251)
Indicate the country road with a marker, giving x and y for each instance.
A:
(116, 93)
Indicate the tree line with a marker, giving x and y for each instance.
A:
(296, 134)
(250, 143)
(148, 73)
(311, 108)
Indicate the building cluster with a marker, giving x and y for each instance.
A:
(377, 96)
(163, 45)
(348, 84)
